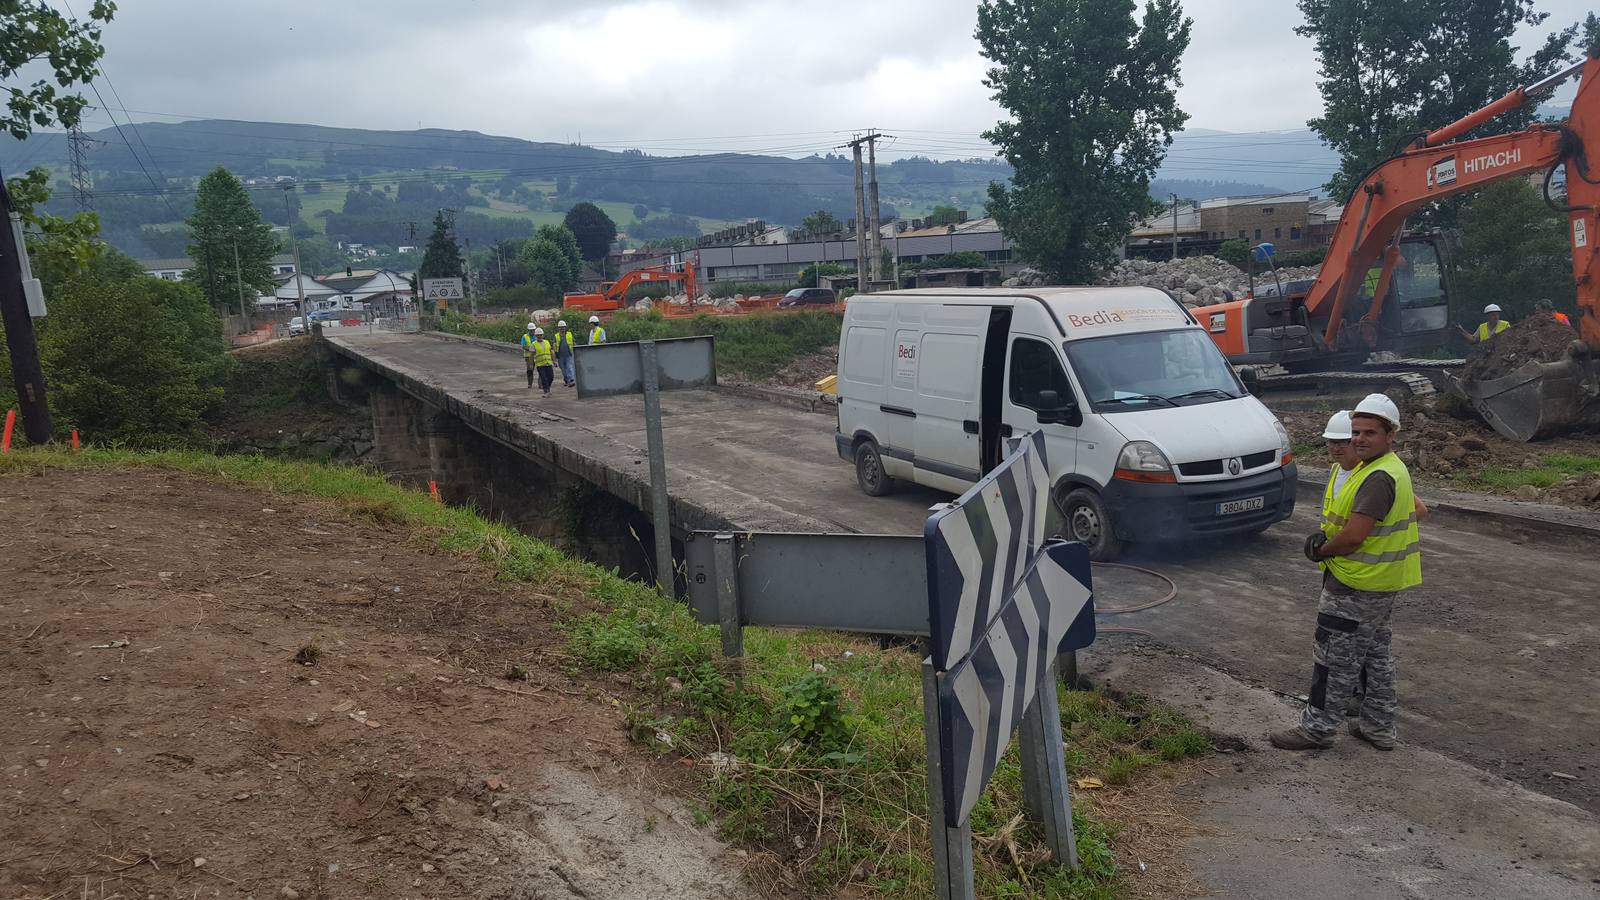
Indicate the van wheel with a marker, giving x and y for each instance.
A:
(874, 481)
(1085, 519)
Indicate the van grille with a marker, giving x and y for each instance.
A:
(1214, 466)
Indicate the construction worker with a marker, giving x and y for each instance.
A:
(563, 344)
(536, 348)
(1374, 554)
(527, 349)
(597, 335)
(1546, 308)
(1489, 328)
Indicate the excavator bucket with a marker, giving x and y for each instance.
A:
(1537, 400)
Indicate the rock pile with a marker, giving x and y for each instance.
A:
(1535, 339)
(1191, 280)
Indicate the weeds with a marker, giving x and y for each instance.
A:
(826, 769)
(308, 654)
(1554, 468)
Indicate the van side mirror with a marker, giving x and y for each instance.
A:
(1054, 411)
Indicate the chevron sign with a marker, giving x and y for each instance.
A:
(1002, 603)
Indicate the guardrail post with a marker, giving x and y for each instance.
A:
(655, 443)
(725, 568)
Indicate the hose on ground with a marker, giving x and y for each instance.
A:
(1139, 607)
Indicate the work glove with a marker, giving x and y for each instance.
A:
(1314, 544)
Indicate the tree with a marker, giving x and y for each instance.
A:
(943, 215)
(594, 230)
(442, 257)
(31, 31)
(640, 211)
(54, 242)
(225, 226)
(1514, 250)
(807, 277)
(562, 237)
(1092, 97)
(1390, 69)
(821, 222)
(563, 184)
(547, 266)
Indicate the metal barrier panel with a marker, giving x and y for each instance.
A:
(605, 370)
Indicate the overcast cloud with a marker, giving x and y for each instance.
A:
(661, 74)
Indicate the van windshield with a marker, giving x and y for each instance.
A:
(1152, 369)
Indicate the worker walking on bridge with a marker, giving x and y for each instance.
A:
(1374, 553)
(1491, 326)
(540, 356)
(597, 335)
(563, 348)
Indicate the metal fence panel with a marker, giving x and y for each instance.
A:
(605, 370)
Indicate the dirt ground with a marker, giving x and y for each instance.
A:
(245, 694)
(1535, 339)
(807, 369)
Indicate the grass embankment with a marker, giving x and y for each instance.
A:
(753, 346)
(1553, 469)
(812, 741)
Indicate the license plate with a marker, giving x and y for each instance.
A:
(1249, 504)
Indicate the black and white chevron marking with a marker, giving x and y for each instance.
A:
(1003, 604)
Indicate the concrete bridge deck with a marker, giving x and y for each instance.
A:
(1499, 650)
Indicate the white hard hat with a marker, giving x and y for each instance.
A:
(538, 330)
(533, 326)
(562, 323)
(1338, 426)
(1493, 307)
(594, 320)
(1381, 406)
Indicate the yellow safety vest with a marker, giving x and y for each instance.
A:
(1483, 329)
(1331, 523)
(543, 354)
(597, 335)
(1390, 559)
(567, 341)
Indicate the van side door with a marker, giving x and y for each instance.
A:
(1039, 396)
(948, 367)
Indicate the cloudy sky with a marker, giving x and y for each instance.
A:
(663, 74)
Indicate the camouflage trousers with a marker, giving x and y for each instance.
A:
(1353, 637)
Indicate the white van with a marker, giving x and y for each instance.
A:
(1149, 433)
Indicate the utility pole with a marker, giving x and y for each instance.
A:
(294, 244)
(1174, 226)
(77, 152)
(26, 373)
(863, 284)
(872, 213)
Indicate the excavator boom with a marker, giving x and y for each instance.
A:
(615, 295)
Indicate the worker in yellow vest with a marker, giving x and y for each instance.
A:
(597, 335)
(1491, 326)
(564, 350)
(540, 357)
(1373, 556)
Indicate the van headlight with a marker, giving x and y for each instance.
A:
(1285, 453)
(1144, 461)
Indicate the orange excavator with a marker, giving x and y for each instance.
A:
(1379, 290)
(614, 295)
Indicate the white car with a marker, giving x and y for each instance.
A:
(297, 325)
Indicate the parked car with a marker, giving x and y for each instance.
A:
(808, 297)
(297, 325)
(1149, 434)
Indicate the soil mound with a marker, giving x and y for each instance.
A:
(1536, 339)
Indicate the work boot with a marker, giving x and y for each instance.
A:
(1296, 739)
(1380, 743)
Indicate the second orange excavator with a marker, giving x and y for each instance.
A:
(614, 295)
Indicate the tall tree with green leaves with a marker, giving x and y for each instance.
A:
(1515, 250)
(547, 266)
(1390, 69)
(442, 257)
(226, 227)
(562, 237)
(1091, 90)
(821, 222)
(33, 31)
(594, 230)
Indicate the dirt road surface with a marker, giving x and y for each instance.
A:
(162, 739)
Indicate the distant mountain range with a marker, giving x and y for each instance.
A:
(502, 178)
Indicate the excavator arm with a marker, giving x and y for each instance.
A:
(1438, 166)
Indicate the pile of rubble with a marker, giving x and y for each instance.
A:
(1191, 280)
(720, 304)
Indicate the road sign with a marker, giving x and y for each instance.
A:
(649, 367)
(445, 289)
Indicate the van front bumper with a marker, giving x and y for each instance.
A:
(1188, 510)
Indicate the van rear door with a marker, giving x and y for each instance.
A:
(947, 370)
